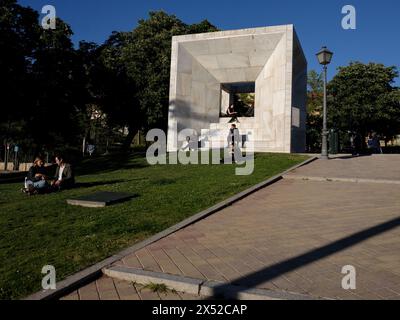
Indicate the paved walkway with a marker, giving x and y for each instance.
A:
(384, 168)
(297, 235)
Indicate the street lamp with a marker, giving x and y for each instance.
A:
(324, 58)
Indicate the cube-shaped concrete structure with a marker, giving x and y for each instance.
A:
(270, 57)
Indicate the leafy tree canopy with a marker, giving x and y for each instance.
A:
(52, 90)
(141, 61)
(315, 96)
(363, 99)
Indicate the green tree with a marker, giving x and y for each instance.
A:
(141, 61)
(19, 36)
(315, 96)
(52, 91)
(363, 99)
(116, 92)
(43, 81)
(58, 106)
(387, 121)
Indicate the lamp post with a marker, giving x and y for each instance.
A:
(324, 58)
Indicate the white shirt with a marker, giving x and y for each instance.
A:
(61, 173)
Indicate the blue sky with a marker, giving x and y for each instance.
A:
(317, 22)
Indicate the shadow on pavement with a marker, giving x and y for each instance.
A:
(353, 157)
(294, 263)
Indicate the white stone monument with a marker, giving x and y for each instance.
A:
(208, 69)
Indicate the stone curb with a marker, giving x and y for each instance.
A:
(199, 287)
(181, 284)
(334, 179)
(85, 276)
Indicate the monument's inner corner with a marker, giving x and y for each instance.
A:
(239, 98)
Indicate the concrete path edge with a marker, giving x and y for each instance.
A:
(334, 179)
(91, 273)
(200, 287)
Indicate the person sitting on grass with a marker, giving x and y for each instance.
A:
(36, 181)
(64, 178)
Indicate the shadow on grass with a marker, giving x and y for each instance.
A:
(111, 163)
(83, 185)
(163, 181)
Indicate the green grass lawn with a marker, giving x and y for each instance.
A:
(44, 230)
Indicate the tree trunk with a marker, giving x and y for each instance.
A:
(128, 140)
(83, 146)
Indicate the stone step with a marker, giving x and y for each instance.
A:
(226, 126)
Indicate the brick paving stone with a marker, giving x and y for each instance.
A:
(202, 265)
(146, 294)
(126, 290)
(107, 289)
(234, 262)
(89, 292)
(224, 269)
(147, 260)
(183, 264)
(132, 261)
(72, 296)
(385, 293)
(166, 264)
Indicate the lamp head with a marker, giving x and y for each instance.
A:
(324, 56)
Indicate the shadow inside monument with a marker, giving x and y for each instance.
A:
(278, 269)
(186, 113)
